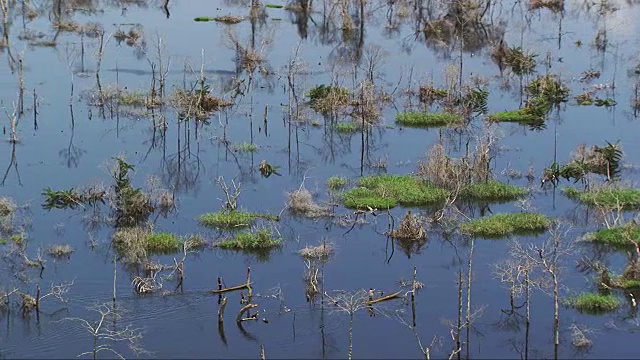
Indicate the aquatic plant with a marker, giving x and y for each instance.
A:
(501, 225)
(622, 238)
(346, 127)
(227, 219)
(421, 119)
(336, 182)
(257, 240)
(594, 303)
(327, 98)
(608, 197)
(387, 191)
(494, 190)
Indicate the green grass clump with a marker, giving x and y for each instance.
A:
(273, 6)
(336, 182)
(495, 191)
(622, 238)
(423, 119)
(135, 98)
(387, 191)
(259, 240)
(501, 225)
(594, 303)
(613, 197)
(627, 284)
(162, 243)
(231, 219)
(246, 147)
(346, 127)
(519, 116)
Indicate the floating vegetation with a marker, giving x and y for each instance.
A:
(162, 243)
(428, 94)
(71, 198)
(501, 225)
(131, 37)
(267, 169)
(245, 147)
(594, 303)
(60, 251)
(336, 182)
(608, 197)
(547, 90)
(232, 219)
(7, 207)
(346, 127)
(274, 6)
(587, 98)
(621, 238)
(521, 62)
(597, 160)
(198, 104)
(423, 119)
(259, 240)
(226, 19)
(494, 190)
(328, 98)
(523, 116)
(387, 191)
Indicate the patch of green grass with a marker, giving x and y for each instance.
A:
(3, 241)
(231, 219)
(162, 243)
(519, 116)
(203, 18)
(246, 147)
(495, 191)
(423, 119)
(612, 197)
(259, 240)
(132, 98)
(336, 182)
(594, 303)
(622, 238)
(274, 6)
(627, 283)
(387, 191)
(345, 127)
(501, 225)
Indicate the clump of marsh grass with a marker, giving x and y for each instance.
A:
(328, 98)
(135, 36)
(245, 147)
(553, 5)
(134, 244)
(410, 228)
(262, 239)
(622, 238)
(321, 252)
(387, 191)
(197, 103)
(60, 251)
(494, 190)
(336, 182)
(427, 120)
(597, 160)
(501, 225)
(346, 127)
(611, 197)
(7, 208)
(232, 219)
(594, 303)
(301, 202)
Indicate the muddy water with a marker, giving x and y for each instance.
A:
(73, 146)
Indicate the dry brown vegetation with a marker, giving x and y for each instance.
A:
(321, 252)
(59, 251)
(410, 228)
(301, 202)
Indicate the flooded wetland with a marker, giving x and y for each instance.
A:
(319, 179)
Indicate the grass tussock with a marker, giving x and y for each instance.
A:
(621, 238)
(301, 202)
(134, 244)
(595, 303)
(7, 207)
(60, 251)
(245, 147)
(346, 127)
(231, 219)
(494, 190)
(259, 240)
(501, 225)
(162, 243)
(427, 120)
(410, 228)
(328, 98)
(321, 252)
(198, 104)
(387, 191)
(336, 182)
(553, 5)
(607, 197)
(522, 116)
(229, 19)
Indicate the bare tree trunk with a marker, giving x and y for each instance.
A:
(350, 335)
(469, 275)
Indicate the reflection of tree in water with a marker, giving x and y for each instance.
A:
(463, 24)
(13, 163)
(71, 154)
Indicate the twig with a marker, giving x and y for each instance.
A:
(223, 304)
(244, 309)
(384, 298)
(233, 288)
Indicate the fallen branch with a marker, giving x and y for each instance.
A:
(246, 308)
(384, 298)
(223, 304)
(233, 288)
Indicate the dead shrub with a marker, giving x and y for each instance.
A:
(129, 242)
(60, 251)
(553, 5)
(7, 207)
(321, 252)
(198, 104)
(410, 228)
(301, 202)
